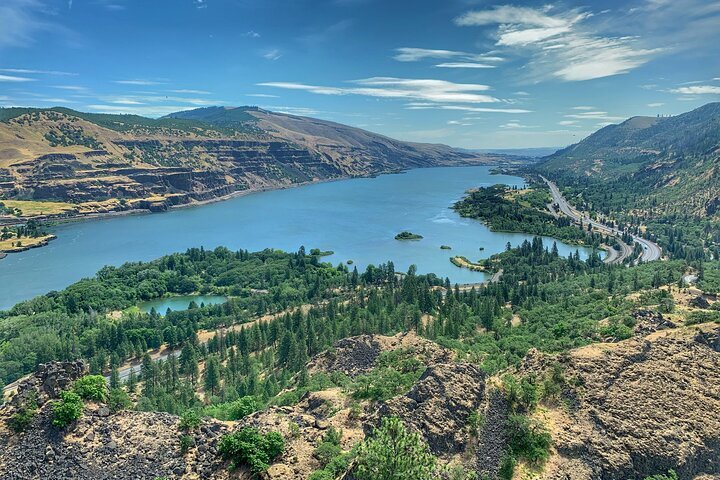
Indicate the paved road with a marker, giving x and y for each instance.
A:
(651, 250)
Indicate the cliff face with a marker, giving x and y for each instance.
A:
(639, 407)
(627, 410)
(63, 155)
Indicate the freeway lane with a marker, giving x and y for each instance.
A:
(651, 250)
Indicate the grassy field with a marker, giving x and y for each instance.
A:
(10, 245)
(31, 208)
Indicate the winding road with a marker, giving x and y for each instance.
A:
(651, 250)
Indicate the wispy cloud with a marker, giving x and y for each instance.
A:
(251, 34)
(200, 4)
(391, 87)
(463, 108)
(559, 43)
(697, 90)
(35, 72)
(464, 65)
(12, 78)
(191, 91)
(261, 95)
(583, 107)
(655, 105)
(139, 82)
(461, 59)
(272, 54)
(515, 124)
(594, 115)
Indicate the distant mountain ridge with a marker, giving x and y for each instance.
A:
(666, 160)
(107, 162)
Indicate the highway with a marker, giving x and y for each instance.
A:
(651, 250)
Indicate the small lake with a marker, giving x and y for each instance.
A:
(356, 218)
(181, 302)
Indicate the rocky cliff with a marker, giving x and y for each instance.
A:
(63, 155)
(626, 410)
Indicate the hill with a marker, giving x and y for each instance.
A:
(661, 172)
(102, 162)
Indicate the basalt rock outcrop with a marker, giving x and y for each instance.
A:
(64, 155)
(639, 407)
(101, 445)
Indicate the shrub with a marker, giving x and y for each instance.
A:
(252, 448)
(528, 439)
(329, 448)
(671, 475)
(242, 407)
(68, 409)
(119, 400)
(91, 387)
(189, 420)
(186, 442)
(394, 453)
(22, 419)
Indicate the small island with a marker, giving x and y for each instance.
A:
(445, 247)
(405, 235)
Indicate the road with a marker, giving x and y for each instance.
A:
(651, 250)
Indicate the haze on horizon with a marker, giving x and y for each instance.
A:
(466, 73)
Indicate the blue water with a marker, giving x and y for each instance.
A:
(181, 302)
(357, 219)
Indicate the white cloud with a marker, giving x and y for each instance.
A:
(568, 122)
(464, 108)
(697, 90)
(73, 88)
(191, 91)
(251, 34)
(514, 124)
(594, 115)
(411, 54)
(583, 107)
(200, 4)
(560, 44)
(12, 78)
(138, 82)
(273, 54)
(261, 95)
(654, 105)
(462, 124)
(464, 65)
(35, 72)
(428, 90)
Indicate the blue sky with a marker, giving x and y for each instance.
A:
(473, 74)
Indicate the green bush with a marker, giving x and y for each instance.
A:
(91, 387)
(118, 399)
(394, 453)
(186, 442)
(189, 420)
(22, 419)
(68, 409)
(252, 448)
(671, 475)
(528, 439)
(242, 407)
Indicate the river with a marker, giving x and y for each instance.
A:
(356, 218)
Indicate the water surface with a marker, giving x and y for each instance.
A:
(180, 302)
(356, 218)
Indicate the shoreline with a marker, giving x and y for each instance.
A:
(61, 220)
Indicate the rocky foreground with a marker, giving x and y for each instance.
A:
(627, 410)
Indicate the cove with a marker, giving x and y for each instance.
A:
(180, 302)
(355, 218)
